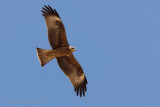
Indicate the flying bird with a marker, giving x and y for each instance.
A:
(62, 51)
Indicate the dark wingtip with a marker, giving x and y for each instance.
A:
(80, 90)
(47, 10)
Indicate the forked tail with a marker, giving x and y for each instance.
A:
(44, 56)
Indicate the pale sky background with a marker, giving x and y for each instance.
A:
(118, 46)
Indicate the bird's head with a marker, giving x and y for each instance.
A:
(72, 48)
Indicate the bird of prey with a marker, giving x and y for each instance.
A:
(62, 51)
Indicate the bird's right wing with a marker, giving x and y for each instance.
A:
(56, 30)
(74, 72)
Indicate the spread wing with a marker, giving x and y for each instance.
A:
(56, 30)
(74, 72)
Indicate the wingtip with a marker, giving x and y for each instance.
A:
(47, 10)
(45, 6)
(80, 90)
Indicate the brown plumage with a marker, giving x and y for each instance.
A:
(62, 51)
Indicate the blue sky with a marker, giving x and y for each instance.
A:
(118, 46)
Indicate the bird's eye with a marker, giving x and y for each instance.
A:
(72, 48)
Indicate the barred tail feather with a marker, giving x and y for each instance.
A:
(44, 56)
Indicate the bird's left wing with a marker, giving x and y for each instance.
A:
(74, 72)
(56, 30)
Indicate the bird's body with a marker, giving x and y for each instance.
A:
(62, 51)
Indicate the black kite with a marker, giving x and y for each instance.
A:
(62, 51)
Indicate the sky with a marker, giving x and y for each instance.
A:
(118, 47)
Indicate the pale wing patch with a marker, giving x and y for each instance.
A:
(76, 79)
(51, 21)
